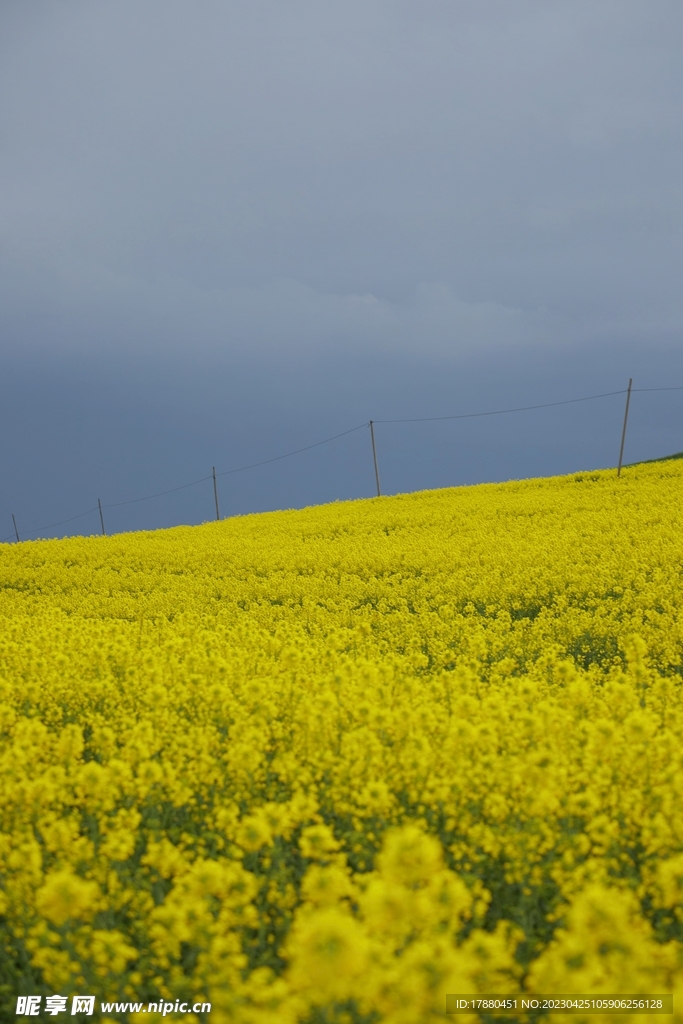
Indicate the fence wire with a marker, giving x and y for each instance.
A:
(328, 440)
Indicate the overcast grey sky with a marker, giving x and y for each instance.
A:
(232, 229)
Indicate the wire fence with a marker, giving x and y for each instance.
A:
(100, 507)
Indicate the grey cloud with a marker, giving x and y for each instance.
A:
(524, 160)
(230, 229)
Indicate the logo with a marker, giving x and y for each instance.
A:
(28, 1006)
(55, 1004)
(83, 1004)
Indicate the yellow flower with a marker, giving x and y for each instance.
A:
(65, 896)
(409, 856)
(329, 953)
(317, 842)
(326, 884)
(301, 759)
(253, 832)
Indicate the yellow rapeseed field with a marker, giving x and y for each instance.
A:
(332, 765)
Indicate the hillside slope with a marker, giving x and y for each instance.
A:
(334, 764)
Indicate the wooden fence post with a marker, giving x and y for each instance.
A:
(374, 457)
(623, 432)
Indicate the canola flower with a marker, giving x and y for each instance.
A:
(330, 765)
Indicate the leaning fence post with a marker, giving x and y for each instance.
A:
(623, 432)
(374, 457)
(215, 493)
